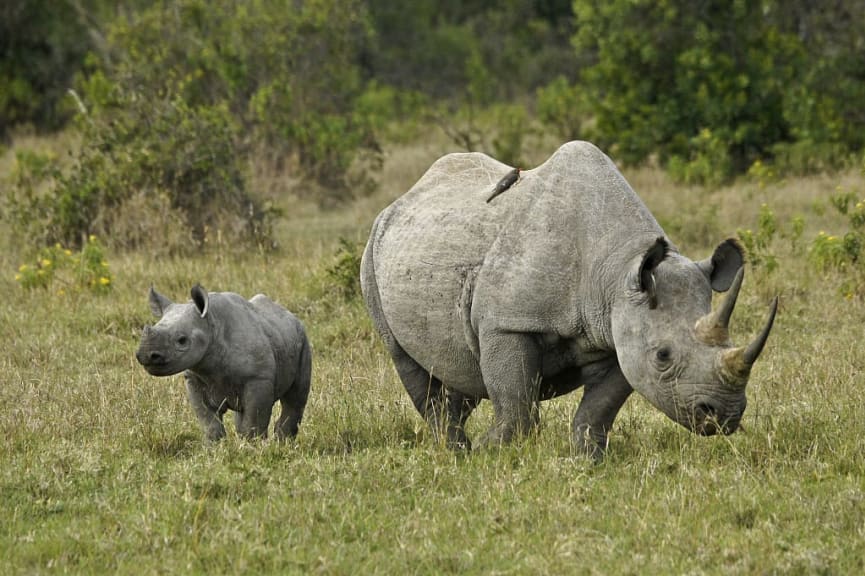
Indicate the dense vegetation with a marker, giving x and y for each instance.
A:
(173, 101)
(102, 468)
(249, 145)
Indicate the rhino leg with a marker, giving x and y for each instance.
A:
(604, 395)
(510, 364)
(257, 400)
(459, 407)
(293, 402)
(208, 415)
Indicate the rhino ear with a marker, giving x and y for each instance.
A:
(201, 299)
(722, 266)
(158, 302)
(653, 256)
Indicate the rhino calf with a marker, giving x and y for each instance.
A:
(237, 354)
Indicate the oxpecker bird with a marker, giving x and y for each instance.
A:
(506, 182)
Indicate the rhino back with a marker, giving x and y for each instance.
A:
(556, 267)
(427, 247)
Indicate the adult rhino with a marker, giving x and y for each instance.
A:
(565, 280)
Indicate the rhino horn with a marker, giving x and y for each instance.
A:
(738, 361)
(713, 328)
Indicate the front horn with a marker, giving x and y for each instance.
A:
(738, 361)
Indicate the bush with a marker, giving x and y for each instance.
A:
(161, 149)
(344, 274)
(86, 269)
(842, 253)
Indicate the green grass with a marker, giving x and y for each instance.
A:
(102, 469)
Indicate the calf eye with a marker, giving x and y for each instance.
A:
(664, 354)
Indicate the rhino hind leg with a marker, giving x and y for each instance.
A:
(459, 408)
(293, 402)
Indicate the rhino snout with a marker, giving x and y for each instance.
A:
(709, 419)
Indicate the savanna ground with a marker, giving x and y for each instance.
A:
(102, 469)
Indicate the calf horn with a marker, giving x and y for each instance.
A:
(713, 328)
(738, 361)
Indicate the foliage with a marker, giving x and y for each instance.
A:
(343, 274)
(758, 245)
(42, 44)
(512, 125)
(134, 146)
(66, 270)
(562, 108)
(842, 253)
(93, 446)
(708, 161)
(699, 84)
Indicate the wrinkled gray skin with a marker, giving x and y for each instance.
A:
(237, 355)
(567, 281)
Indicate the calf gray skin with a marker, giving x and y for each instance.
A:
(570, 282)
(237, 355)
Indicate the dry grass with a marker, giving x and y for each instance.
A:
(102, 469)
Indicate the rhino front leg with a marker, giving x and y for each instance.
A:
(208, 415)
(603, 396)
(511, 368)
(257, 401)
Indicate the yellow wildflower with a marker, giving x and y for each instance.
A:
(23, 268)
(104, 281)
(45, 262)
(68, 252)
(92, 238)
(17, 277)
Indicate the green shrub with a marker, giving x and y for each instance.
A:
(343, 276)
(68, 271)
(511, 127)
(134, 146)
(842, 253)
(758, 245)
(561, 107)
(708, 163)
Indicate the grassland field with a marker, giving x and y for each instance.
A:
(102, 468)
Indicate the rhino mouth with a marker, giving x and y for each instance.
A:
(709, 421)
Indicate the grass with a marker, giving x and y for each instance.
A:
(102, 469)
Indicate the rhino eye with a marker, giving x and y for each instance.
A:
(183, 340)
(663, 356)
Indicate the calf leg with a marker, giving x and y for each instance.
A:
(208, 415)
(293, 402)
(257, 404)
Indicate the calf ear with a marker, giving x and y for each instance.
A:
(651, 259)
(201, 299)
(158, 302)
(722, 266)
